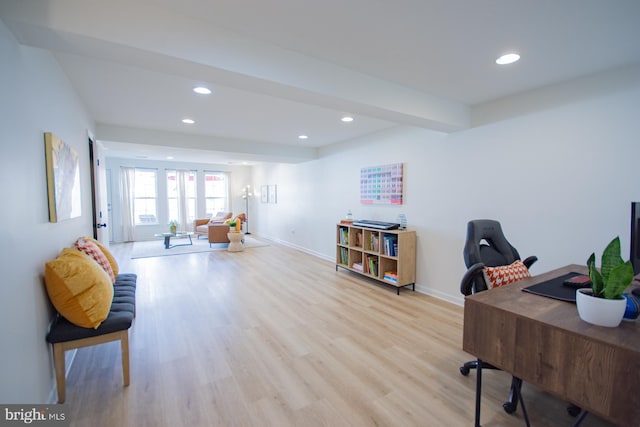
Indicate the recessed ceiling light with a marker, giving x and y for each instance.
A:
(188, 121)
(347, 119)
(303, 137)
(509, 58)
(202, 90)
(169, 157)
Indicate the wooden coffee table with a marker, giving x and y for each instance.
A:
(168, 236)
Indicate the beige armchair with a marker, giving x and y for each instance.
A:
(218, 233)
(214, 228)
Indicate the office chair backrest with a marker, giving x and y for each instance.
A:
(487, 244)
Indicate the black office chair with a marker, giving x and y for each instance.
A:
(486, 245)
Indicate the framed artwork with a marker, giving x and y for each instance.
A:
(63, 179)
(264, 194)
(273, 194)
(381, 184)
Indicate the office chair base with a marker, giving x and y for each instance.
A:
(573, 410)
(515, 392)
(510, 407)
(466, 368)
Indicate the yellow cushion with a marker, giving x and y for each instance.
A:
(105, 251)
(79, 288)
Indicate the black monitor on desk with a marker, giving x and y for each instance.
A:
(635, 237)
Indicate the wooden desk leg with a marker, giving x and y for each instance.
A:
(478, 391)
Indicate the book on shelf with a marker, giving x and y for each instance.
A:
(344, 256)
(390, 243)
(344, 236)
(391, 276)
(359, 239)
(346, 221)
(374, 241)
(358, 267)
(372, 264)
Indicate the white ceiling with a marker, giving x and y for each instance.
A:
(281, 68)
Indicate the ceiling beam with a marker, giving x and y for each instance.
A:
(163, 41)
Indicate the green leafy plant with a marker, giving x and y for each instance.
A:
(173, 223)
(615, 274)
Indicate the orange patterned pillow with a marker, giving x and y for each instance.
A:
(505, 274)
(105, 251)
(91, 249)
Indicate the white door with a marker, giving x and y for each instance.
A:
(99, 192)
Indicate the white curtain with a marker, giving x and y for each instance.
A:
(227, 193)
(128, 176)
(182, 176)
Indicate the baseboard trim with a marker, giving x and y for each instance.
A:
(440, 295)
(297, 247)
(423, 289)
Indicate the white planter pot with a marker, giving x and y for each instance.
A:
(599, 311)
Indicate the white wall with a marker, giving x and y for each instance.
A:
(239, 176)
(560, 179)
(36, 98)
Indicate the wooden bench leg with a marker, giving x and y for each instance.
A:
(61, 347)
(124, 346)
(58, 361)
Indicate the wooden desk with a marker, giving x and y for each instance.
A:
(544, 342)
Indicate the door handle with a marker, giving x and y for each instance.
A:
(101, 225)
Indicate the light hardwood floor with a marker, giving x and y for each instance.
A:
(272, 336)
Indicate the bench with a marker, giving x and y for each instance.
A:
(64, 335)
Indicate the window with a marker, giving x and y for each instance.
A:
(215, 192)
(145, 204)
(173, 193)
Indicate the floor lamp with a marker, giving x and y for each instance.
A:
(246, 193)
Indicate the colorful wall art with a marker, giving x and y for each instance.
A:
(381, 184)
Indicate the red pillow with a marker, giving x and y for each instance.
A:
(505, 274)
(91, 249)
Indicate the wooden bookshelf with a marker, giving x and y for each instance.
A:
(388, 256)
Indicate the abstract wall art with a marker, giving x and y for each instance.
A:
(63, 179)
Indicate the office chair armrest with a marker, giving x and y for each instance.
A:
(528, 262)
(466, 284)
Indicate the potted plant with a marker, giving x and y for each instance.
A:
(604, 303)
(173, 226)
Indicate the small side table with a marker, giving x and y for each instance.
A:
(235, 241)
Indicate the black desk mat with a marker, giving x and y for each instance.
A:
(555, 289)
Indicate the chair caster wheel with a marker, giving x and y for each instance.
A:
(509, 408)
(464, 371)
(573, 410)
